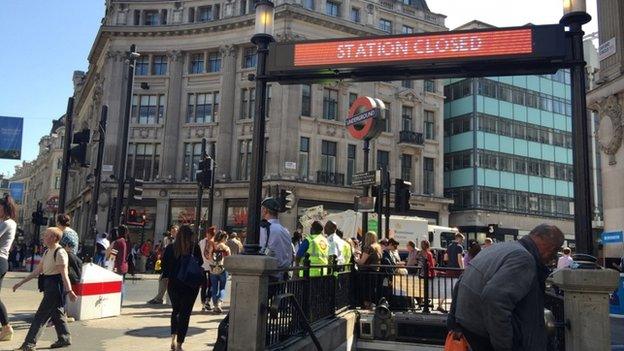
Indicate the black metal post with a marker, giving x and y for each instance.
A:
(121, 175)
(98, 176)
(200, 192)
(213, 166)
(66, 159)
(426, 282)
(580, 151)
(386, 175)
(380, 199)
(35, 240)
(252, 247)
(366, 149)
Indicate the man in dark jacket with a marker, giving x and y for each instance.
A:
(500, 298)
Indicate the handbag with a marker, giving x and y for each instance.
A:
(190, 272)
(453, 344)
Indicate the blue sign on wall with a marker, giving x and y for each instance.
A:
(612, 237)
(17, 191)
(11, 129)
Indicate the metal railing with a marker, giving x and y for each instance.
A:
(331, 178)
(409, 137)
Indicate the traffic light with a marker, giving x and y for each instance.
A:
(38, 218)
(286, 200)
(78, 153)
(204, 172)
(132, 216)
(135, 189)
(402, 195)
(375, 193)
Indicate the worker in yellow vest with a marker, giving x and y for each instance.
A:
(317, 247)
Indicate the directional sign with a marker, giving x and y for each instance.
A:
(366, 178)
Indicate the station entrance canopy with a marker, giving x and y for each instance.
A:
(485, 52)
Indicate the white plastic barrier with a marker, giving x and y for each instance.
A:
(99, 294)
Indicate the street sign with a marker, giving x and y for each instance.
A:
(364, 118)
(365, 204)
(366, 178)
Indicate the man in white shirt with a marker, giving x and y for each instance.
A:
(336, 244)
(278, 242)
(565, 260)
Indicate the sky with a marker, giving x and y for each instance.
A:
(44, 41)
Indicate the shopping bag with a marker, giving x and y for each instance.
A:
(453, 344)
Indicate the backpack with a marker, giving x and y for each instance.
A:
(217, 258)
(74, 266)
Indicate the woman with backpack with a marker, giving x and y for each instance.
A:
(181, 265)
(218, 274)
(8, 227)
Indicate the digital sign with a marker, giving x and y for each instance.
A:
(11, 129)
(481, 52)
(428, 47)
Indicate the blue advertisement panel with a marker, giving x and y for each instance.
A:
(11, 130)
(17, 191)
(613, 244)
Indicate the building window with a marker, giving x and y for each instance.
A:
(328, 156)
(407, 30)
(306, 99)
(383, 159)
(406, 167)
(429, 126)
(351, 164)
(429, 86)
(159, 65)
(332, 8)
(386, 126)
(249, 58)
(192, 155)
(385, 25)
(143, 160)
(330, 104)
(141, 66)
(243, 7)
(352, 98)
(191, 15)
(148, 109)
(59, 161)
(428, 176)
(208, 13)
(308, 4)
(214, 62)
(304, 157)
(203, 107)
(244, 159)
(407, 114)
(407, 84)
(151, 18)
(248, 103)
(197, 63)
(57, 182)
(355, 15)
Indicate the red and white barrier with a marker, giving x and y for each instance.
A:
(99, 294)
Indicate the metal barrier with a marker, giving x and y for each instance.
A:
(553, 301)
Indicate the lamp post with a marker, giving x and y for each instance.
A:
(263, 36)
(574, 18)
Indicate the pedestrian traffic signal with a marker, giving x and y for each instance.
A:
(132, 216)
(286, 200)
(204, 172)
(135, 189)
(78, 153)
(38, 218)
(402, 195)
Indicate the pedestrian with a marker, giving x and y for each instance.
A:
(207, 246)
(274, 239)
(169, 238)
(102, 245)
(234, 244)
(121, 257)
(510, 278)
(347, 248)
(70, 236)
(8, 227)
(412, 254)
(565, 260)
(218, 274)
(473, 249)
(182, 296)
(336, 244)
(487, 243)
(53, 281)
(369, 261)
(455, 252)
(317, 246)
(144, 253)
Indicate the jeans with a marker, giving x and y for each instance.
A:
(218, 281)
(206, 292)
(51, 307)
(99, 259)
(182, 300)
(4, 318)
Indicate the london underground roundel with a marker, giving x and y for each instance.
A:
(364, 120)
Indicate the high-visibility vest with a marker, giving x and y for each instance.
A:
(319, 254)
(346, 254)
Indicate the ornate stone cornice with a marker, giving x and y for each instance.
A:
(611, 129)
(174, 55)
(228, 51)
(409, 95)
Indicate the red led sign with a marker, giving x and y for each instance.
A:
(419, 47)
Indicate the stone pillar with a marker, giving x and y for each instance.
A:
(249, 295)
(162, 214)
(173, 116)
(226, 140)
(586, 304)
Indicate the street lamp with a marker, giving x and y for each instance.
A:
(263, 36)
(574, 18)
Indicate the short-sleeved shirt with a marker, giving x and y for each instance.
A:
(121, 262)
(453, 250)
(51, 263)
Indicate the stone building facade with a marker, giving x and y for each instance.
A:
(191, 82)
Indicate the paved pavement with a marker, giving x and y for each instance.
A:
(140, 327)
